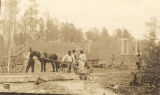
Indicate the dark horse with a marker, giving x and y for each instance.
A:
(44, 58)
(52, 58)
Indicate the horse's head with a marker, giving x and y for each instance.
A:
(45, 55)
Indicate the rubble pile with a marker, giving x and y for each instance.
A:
(146, 82)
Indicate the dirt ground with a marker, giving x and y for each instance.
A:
(112, 80)
(99, 82)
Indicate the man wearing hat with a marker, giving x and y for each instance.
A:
(30, 61)
(68, 59)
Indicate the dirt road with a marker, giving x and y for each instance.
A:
(69, 87)
(92, 86)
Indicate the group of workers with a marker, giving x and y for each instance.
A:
(71, 61)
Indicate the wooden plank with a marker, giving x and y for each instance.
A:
(12, 78)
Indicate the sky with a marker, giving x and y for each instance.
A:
(110, 14)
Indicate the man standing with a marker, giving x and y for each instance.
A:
(74, 54)
(139, 62)
(68, 59)
(75, 63)
(31, 61)
(82, 59)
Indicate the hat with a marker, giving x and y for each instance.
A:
(74, 50)
(69, 51)
(81, 51)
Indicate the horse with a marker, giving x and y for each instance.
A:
(44, 58)
(51, 58)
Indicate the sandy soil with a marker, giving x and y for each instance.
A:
(98, 83)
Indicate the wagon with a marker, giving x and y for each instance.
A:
(16, 64)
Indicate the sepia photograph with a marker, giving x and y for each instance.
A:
(79, 47)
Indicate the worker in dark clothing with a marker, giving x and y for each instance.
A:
(31, 61)
(139, 62)
(75, 63)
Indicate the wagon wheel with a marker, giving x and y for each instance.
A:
(19, 68)
(4, 67)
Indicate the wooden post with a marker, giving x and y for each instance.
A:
(0, 7)
(122, 46)
(140, 47)
(10, 47)
(9, 57)
(11, 36)
(136, 48)
(127, 47)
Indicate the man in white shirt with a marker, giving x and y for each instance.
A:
(68, 59)
(30, 50)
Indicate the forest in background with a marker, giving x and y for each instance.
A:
(31, 26)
